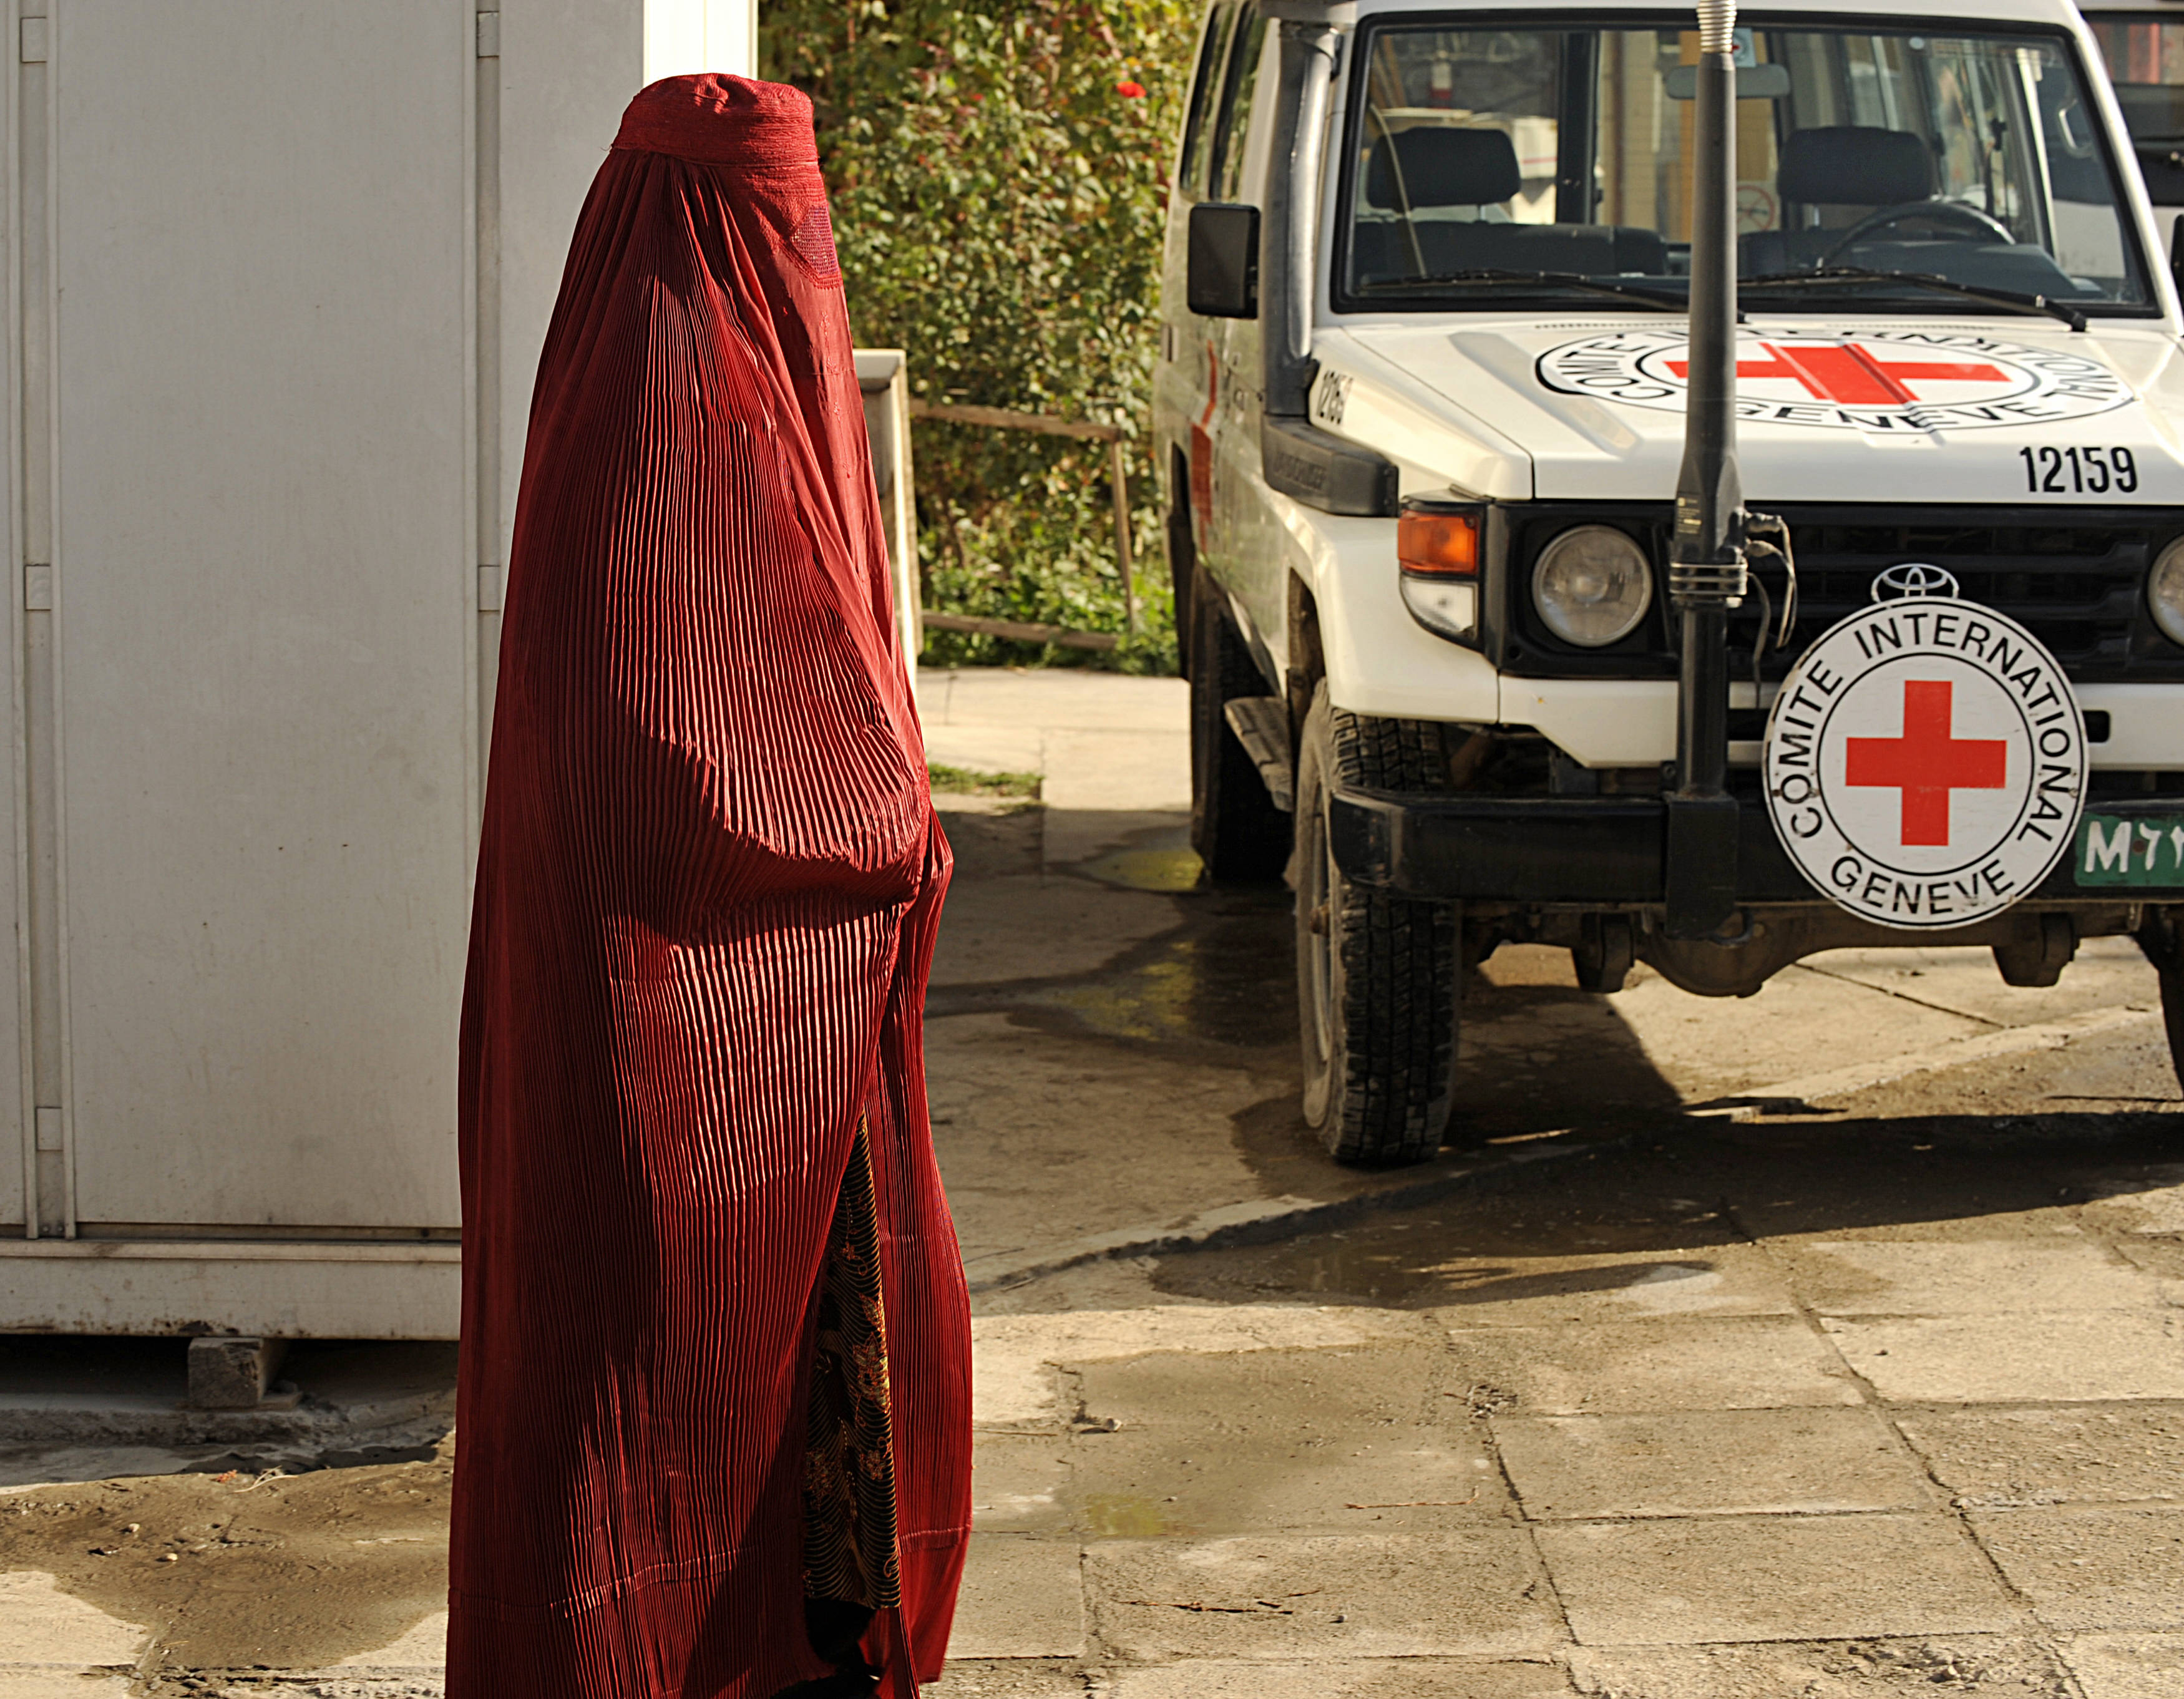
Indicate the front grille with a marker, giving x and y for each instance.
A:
(2074, 577)
(2075, 582)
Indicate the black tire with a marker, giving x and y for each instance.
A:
(2162, 939)
(1379, 978)
(1234, 827)
(1182, 559)
(2172, 1014)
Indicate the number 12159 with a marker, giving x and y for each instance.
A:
(2079, 472)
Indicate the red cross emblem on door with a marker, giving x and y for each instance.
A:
(1846, 373)
(1928, 761)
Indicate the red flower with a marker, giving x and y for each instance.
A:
(1130, 90)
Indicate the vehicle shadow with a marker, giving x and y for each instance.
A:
(1674, 1203)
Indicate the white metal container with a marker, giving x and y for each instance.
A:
(279, 275)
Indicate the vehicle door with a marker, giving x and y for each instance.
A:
(1184, 381)
(1234, 498)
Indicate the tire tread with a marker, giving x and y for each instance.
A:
(1402, 960)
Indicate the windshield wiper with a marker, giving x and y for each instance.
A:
(1560, 280)
(2037, 305)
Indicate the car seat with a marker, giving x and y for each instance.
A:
(1429, 172)
(1855, 165)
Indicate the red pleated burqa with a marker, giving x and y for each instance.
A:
(692, 1081)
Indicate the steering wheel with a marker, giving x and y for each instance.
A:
(1969, 218)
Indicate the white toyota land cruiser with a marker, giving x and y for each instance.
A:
(1469, 604)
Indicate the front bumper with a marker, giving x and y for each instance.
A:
(1607, 852)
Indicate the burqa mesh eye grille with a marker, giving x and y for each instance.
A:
(814, 242)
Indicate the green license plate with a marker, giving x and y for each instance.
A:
(2134, 849)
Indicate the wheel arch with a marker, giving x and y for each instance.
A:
(1182, 544)
(1307, 658)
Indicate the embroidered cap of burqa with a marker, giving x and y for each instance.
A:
(695, 1152)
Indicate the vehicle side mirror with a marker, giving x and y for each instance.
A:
(1222, 279)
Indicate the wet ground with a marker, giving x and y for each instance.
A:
(1877, 1390)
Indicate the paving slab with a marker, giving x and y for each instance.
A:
(1324, 1596)
(1050, 696)
(1030, 927)
(1734, 1363)
(1359, 1440)
(2008, 1276)
(1012, 1357)
(2091, 1566)
(227, 1684)
(1964, 980)
(1708, 1463)
(1112, 769)
(423, 1647)
(2149, 1200)
(1520, 1028)
(987, 748)
(1404, 1677)
(1142, 849)
(1683, 1036)
(58, 1684)
(1969, 1218)
(41, 1624)
(1018, 1482)
(294, 1573)
(1008, 1679)
(1029, 1125)
(2161, 1258)
(2058, 1358)
(1544, 1291)
(2008, 1459)
(1993, 1666)
(1688, 1582)
(2126, 1666)
(1022, 1597)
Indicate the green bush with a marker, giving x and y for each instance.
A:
(998, 180)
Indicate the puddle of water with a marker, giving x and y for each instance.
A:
(1150, 1006)
(1227, 983)
(1167, 870)
(1119, 1516)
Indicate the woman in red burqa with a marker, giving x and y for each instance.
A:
(714, 1407)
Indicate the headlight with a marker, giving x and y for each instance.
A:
(2164, 591)
(1592, 585)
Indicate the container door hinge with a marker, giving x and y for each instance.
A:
(49, 1129)
(38, 588)
(488, 589)
(488, 35)
(35, 32)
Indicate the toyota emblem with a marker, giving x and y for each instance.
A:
(1913, 578)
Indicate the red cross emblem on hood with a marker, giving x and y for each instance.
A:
(1846, 373)
(1928, 761)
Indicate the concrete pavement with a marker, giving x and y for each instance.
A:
(1877, 1391)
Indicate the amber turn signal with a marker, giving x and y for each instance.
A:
(1438, 542)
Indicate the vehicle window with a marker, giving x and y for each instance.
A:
(1197, 131)
(2146, 62)
(1236, 118)
(1480, 158)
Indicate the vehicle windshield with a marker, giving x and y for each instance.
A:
(1483, 157)
(2145, 60)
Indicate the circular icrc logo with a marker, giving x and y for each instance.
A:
(1876, 381)
(1925, 763)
